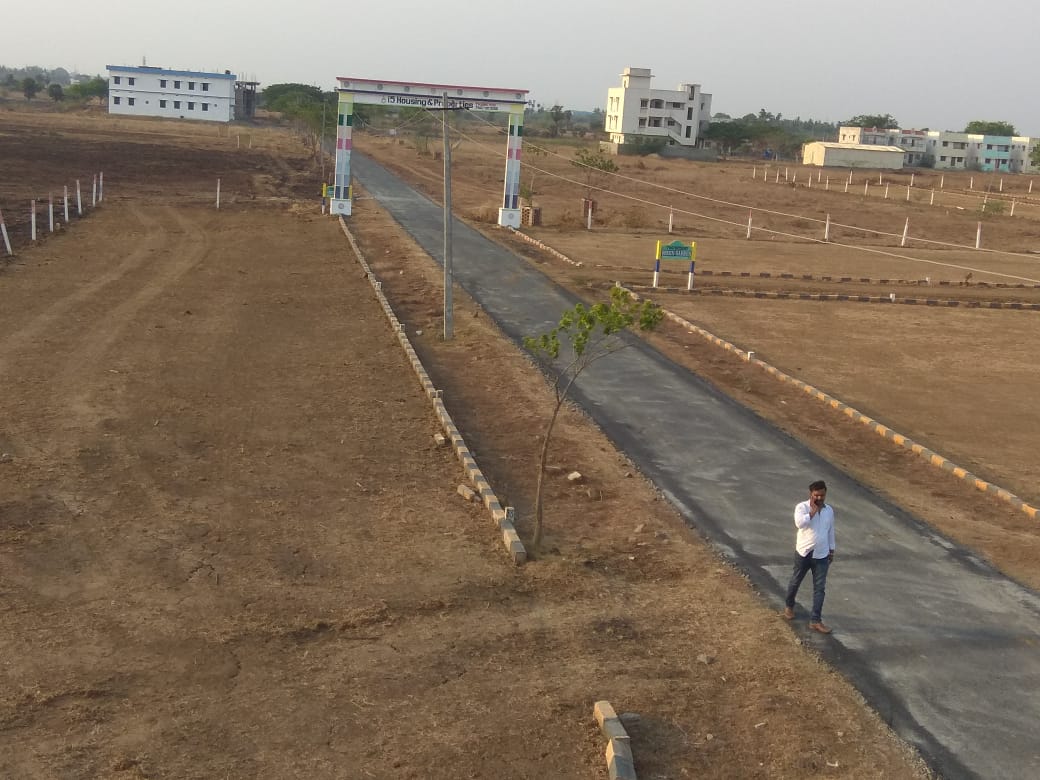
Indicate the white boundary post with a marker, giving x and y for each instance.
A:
(978, 237)
(942, 180)
(908, 194)
(3, 232)
(748, 237)
(971, 183)
(827, 229)
(906, 229)
(786, 171)
(886, 192)
(846, 186)
(1001, 189)
(879, 179)
(79, 201)
(931, 200)
(777, 175)
(657, 272)
(1012, 208)
(754, 171)
(912, 179)
(66, 204)
(1030, 186)
(866, 187)
(218, 194)
(50, 212)
(32, 219)
(93, 193)
(827, 184)
(101, 186)
(671, 219)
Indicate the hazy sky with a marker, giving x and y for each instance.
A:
(934, 63)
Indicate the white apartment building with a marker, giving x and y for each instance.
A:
(176, 94)
(914, 143)
(637, 113)
(945, 150)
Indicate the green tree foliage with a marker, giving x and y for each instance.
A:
(55, 92)
(591, 333)
(754, 133)
(304, 106)
(881, 121)
(596, 169)
(561, 120)
(985, 127)
(96, 87)
(30, 87)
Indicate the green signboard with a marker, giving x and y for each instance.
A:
(676, 250)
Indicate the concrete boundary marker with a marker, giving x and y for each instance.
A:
(620, 764)
(930, 456)
(786, 296)
(545, 248)
(503, 517)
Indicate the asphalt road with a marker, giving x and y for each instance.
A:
(946, 649)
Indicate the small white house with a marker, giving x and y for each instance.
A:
(846, 155)
(176, 94)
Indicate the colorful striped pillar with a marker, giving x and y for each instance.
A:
(509, 214)
(340, 202)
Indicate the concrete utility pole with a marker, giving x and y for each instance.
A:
(449, 312)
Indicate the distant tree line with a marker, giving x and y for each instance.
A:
(58, 84)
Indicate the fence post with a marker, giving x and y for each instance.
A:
(827, 229)
(50, 212)
(978, 237)
(3, 232)
(906, 229)
(931, 200)
(93, 193)
(1012, 208)
(671, 219)
(748, 225)
(218, 194)
(66, 204)
(32, 219)
(101, 186)
(886, 192)
(79, 201)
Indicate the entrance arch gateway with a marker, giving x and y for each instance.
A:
(413, 94)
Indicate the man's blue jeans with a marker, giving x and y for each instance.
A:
(802, 566)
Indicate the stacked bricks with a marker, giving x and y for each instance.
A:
(502, 516)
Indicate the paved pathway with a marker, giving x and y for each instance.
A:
(946, 649)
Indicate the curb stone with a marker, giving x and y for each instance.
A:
(502, 516)
(618, 755)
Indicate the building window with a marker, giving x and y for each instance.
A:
(162, 104)
(176, 104)
(205, 106)
(205, 86)
(130, 101)
(162, 83)
(176, 85)
(130, 80)
(116, 79)
(191, 106)
(988, 161)
(942, 158)
(642, 103)
(116, 101)
(191, 85)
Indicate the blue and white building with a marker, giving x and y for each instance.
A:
(175, 94)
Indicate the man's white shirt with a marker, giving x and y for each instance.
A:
(816, 532)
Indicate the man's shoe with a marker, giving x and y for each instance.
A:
(788, 613)
(823, 628)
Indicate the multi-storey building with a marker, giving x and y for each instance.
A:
(181, 94)
(947, 150)
(912, 142)
(638, 114)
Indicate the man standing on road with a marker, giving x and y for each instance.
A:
(814, 548)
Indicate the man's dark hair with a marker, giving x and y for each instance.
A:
(818, 485)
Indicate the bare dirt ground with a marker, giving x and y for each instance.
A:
(230, 548)
(958, 380)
